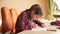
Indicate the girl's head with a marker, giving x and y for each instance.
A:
(35, 12)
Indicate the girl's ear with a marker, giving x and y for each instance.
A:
(33, 12)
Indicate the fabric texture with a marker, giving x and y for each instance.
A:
(23, 22)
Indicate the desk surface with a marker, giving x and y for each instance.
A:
(44, 32)
(38, 32)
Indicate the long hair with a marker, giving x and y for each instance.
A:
(36, 8)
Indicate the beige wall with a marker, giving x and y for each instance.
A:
(21, 5)
(44, 5)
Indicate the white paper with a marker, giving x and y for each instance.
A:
(39, 29)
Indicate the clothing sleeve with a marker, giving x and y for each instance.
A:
(23, 23)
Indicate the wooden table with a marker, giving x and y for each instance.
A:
(39, 32)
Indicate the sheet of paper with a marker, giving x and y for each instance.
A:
(39, 29)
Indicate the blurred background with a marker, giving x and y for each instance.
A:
(21, 5)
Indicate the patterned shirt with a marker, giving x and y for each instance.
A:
(23, 22)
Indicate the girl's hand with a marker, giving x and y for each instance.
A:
(34, 25)
(43, 25)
